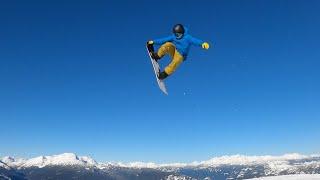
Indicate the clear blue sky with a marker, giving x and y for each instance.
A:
(75, 77)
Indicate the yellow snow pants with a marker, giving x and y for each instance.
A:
(176, 57)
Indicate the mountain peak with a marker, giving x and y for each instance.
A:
(60, 159)
(7, 159)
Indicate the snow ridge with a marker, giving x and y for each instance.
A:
(65, 159)
(225, 160)
(71, 159)
(4, 165)
(249, 160)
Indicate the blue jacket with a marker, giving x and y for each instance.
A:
(182, 45)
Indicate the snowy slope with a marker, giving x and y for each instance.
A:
(291, 177)
(4, 165)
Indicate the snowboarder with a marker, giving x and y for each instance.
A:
(177, 46)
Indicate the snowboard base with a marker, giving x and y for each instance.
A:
(156, 69)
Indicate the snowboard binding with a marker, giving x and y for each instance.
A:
(153, 54)
(162, 75)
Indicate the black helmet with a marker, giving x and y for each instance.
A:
(178, 28)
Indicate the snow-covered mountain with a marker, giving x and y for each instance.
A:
(225, 167)
(55, 160)
(72, 159)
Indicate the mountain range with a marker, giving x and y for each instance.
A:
(71, 166)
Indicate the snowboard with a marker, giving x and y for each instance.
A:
(156, 69)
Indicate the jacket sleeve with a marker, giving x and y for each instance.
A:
(196, 42)
(162, 40)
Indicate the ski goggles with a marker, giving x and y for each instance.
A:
(178, 35)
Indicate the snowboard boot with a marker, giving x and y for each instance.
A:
(154, 55)
(162, 75)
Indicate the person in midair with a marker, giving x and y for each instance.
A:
(177, 46)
